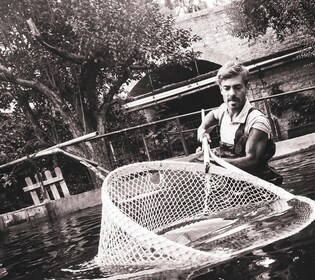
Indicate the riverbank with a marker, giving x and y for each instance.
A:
(294, 145)
(53, 209)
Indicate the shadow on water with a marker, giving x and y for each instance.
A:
(65, 249)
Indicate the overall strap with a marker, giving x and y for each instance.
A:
(221, 118)
(240, 131)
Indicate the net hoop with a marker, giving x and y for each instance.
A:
(135, 195)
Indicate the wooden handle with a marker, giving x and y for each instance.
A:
(205, 147)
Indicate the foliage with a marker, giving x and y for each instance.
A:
(65, 63)
(12, 199)
(303, 105)
(71, 59)
(119, 118)
(252, 18)
(17, 137)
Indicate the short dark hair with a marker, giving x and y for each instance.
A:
(230, 70)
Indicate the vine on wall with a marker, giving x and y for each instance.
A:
(303, 105)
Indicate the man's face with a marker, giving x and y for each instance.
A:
(234, 92)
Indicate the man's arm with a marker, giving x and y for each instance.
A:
(255, 149)
(208, 121)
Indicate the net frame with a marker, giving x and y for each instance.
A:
(130, 235)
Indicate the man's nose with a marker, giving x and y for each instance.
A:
(232, 92)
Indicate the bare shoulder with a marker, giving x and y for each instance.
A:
(257, 134)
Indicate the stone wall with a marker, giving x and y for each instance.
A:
(218, 46)
(290, 76)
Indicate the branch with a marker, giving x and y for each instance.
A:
(25, 106)
(7, 75)
(127, 67)
(118, 83)
(78, 59)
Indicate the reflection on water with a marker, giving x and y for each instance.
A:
(66, 248)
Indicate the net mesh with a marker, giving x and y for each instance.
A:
(149, 208)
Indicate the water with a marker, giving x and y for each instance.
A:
(43, 251)
(290, 258)
(66, 248)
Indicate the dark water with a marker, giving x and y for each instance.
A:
(66, 248)
(45, 250)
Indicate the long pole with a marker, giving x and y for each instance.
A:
(205, 147)
(51, 149)
(206, 161)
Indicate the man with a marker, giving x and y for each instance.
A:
(244, 131)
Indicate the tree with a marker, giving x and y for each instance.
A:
(16, 136)
(65, 62)
(253, 18)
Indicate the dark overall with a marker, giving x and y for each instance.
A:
(263, 171)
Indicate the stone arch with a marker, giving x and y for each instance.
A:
(206, 98)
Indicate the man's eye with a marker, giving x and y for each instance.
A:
(226, 88)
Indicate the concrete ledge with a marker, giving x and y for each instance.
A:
(21, 216)
(294, 145)
(50, 209)
(75, 203)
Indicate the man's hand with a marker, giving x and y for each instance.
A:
(206, 123)
(201, 133)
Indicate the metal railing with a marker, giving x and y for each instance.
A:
(176, 136)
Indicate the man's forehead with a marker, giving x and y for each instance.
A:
(237, 80)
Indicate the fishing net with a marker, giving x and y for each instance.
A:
(170, 213)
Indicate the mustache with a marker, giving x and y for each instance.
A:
(233, 98)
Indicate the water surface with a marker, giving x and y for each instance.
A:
(65, 249)
(291, 258)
